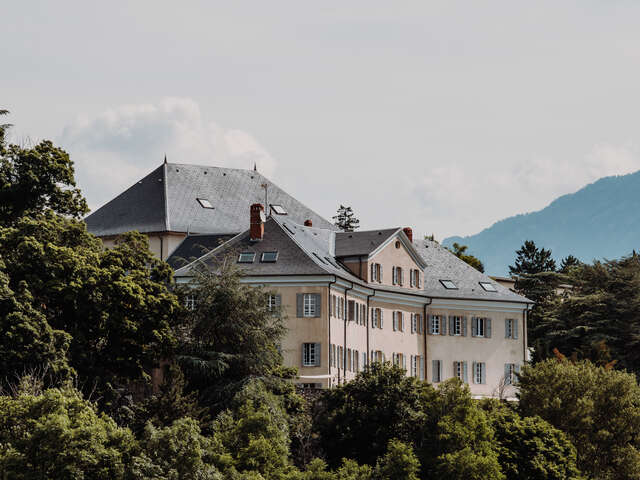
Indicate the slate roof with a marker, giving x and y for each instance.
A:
(444, 265)
(361, 243)
(195, 246)
(166, 200)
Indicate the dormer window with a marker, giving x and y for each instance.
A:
(278, 209)
(246, 257)
(449, 285)
(204, 203)
(489, 287)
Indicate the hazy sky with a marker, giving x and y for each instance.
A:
(445, 116)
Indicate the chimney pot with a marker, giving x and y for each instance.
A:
(409, 233)
(308, 223)
(256, 225)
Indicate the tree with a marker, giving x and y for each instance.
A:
(530, 447)
(230, 335)
(346, 220)
(568, 263)
(59, 435)
(459, 251)
(598, 408)
(399, 463)
(36, 179)
(531, 260)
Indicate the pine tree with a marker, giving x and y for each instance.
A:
(531, 260)
(345, 219)
(569, 262)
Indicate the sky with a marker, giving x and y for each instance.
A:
(443, 116)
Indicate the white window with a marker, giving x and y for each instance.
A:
(480, 327)
(278, 209)
(246, 257)
(448, 284)
(511, 328)
(510, 370)
(273, 302)
(310, 355)
(414, 365)
(309, 305)
(436, 324)
(376, 272)
(414, 323)
(489, 287)
(478, 372)
(364, 359)
(459, 370)
(190, 302)
(457, 325)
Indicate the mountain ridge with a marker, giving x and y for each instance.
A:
(601, 220)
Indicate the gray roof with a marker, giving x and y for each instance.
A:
(444, 265)
(310, 251)
(361, 243)
(195, 246)
(166, 200)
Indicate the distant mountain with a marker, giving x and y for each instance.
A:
(602, 220)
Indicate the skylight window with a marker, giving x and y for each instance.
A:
(269, 257)
(279, 209)
(246, 257)
(449, 285)
(489, 287)
(204, 203)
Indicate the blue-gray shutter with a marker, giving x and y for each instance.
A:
(443, 326)
(435, 370)
(318, 354)
(318, 309)
(451, 325)
(474, 365)
(421, 367)
(464, 326)
(373, 271)
(516, 368)
(430, 327)
(474, 327)
(299, 304)
(465, 374)
(506, 327)
(483, 373)
(302, 359)
(515, 328)
(381, 319)
(278, 300)
(380, 278)
(487, 328)
(507, 381)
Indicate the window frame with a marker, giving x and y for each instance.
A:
(240, 256)
(309, 354)
(481, 327)
(276, 207)
(263, 260)
(434, 319)
(309, 301)
(205, 203)
(457, 326)
(488, 287)
(452, 284)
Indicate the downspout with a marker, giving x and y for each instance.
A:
(368, 317)
(161, 247)
(525, 319)
(425, 327)
(329, 329)
(346, 317)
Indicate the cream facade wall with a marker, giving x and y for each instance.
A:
(161, 245)
(394, 254)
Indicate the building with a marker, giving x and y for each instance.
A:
(349, 298)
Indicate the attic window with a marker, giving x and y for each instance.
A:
(278, 209)
(246, 257)
(204, 203)
(269, 257)
(489, 287)
(449, 285)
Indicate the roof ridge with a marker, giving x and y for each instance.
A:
(165, 178)
(374, 230)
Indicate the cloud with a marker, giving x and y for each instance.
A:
(458, 199)
(116, 147)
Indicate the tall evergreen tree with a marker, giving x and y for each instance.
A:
(569, 262)
(346, 220)
(531, 260)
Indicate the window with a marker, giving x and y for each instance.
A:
(269, 257)
(489, 287)
(414, 323)
(376, 272)
(414, 278)
(273, 302)
(310, 354)
(460, 371)
(510, 370)
(481, 327)
(448, 284)
(278, 209)
(511, 328)
(309, 305)
(190, 302)
(356, 360)
(435, 325)
(457, 325)
(400, 275)
(364, 359)
(204, 203)
(480, 324)
(436, 374)
(246, 257)
(348, 367)
(332, 356)
(479, 373)
(401, 321)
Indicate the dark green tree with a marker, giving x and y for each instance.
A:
(398, 463)
(530, 260)
(598, 408)
(530, 447)
(569, 262)
(459, 251)
(346, 220)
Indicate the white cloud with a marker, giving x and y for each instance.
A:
(120, 145)
(457, 199)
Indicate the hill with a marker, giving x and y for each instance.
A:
(601, 220)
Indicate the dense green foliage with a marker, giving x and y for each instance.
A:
(598, 408)
(460, 252)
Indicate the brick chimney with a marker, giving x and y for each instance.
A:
(256, 227)
(308, 223)
(409, 233)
